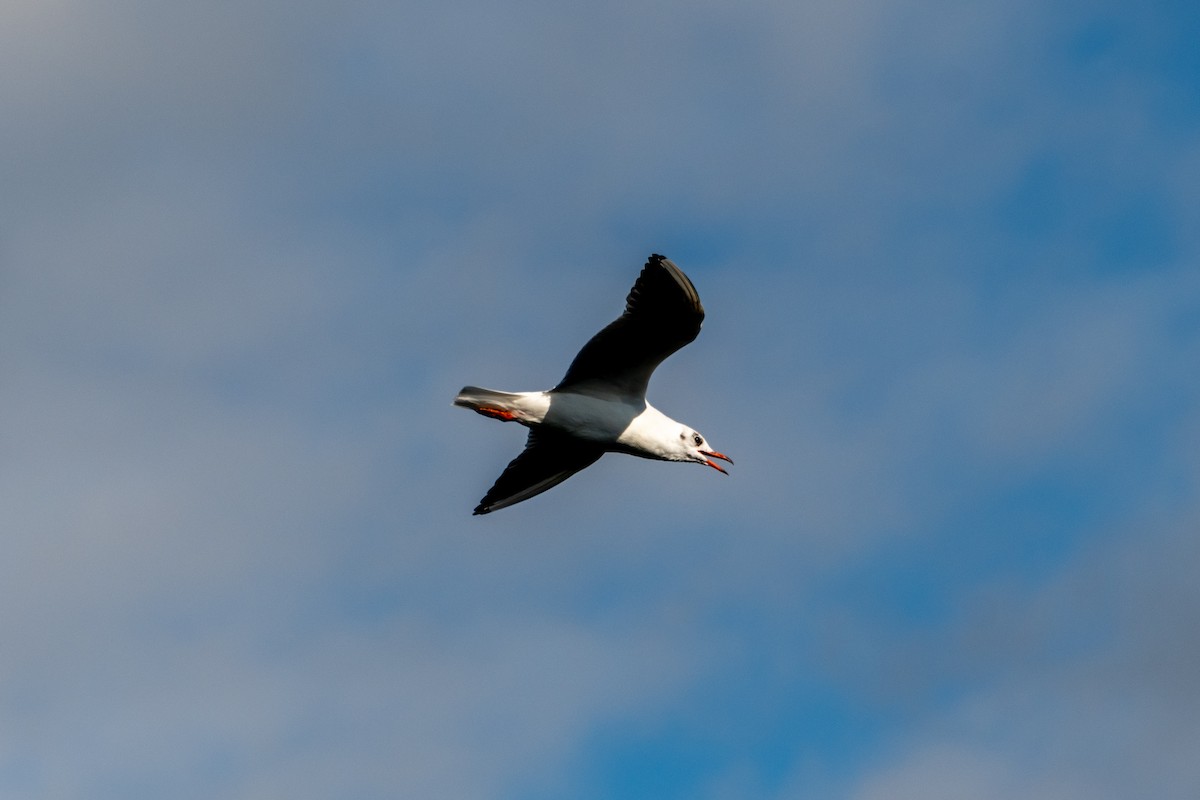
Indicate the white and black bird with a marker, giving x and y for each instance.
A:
(600, 405)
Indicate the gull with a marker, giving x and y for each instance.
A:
(600, 404)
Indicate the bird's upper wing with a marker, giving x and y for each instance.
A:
(662, 314)
(548, 459)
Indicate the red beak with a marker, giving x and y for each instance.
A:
(714, 454)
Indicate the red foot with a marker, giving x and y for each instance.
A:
(495, 413)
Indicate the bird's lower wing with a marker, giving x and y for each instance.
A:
(548, 460)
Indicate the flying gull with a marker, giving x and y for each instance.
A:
(600, 405)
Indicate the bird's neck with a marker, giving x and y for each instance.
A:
(652, 434)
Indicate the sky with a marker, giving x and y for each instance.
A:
(249, 251)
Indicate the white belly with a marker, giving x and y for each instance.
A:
(592, 418)
(623, 425)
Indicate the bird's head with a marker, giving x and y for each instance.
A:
(693, 447)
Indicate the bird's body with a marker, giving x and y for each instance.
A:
(622, 424)
(600, 405)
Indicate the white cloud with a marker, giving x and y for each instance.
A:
(1088, 689)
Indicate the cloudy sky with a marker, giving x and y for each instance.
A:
(250, 250)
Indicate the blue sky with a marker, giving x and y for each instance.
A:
(249, 252)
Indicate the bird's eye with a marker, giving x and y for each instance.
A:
(698, 439)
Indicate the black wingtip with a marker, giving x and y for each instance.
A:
(659, 261)
(480, 509)
(664, 275)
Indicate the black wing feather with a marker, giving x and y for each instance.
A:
(662, 314)
(548, 459)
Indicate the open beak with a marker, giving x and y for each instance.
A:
(714, 454)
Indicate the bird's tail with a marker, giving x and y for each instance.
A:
(489, 402)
